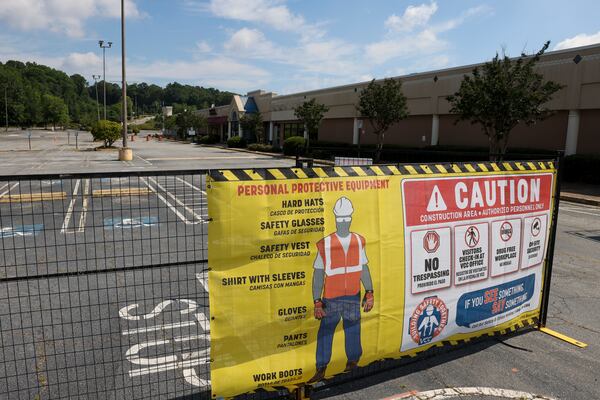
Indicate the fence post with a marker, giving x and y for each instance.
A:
(550, 251)
(301, 393)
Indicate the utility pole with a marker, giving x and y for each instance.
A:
(103, 46)
(96, 77)
(6, 106)
(125, 153)
(124, 112)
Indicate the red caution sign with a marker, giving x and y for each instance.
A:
(470, 198)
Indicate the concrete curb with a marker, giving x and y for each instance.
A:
(581, 199)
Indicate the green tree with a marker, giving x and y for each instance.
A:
(253, 124)
(502, 94)
(54, 110)
(188, 119)
(311, 113)
(382, 104)
(107, 131)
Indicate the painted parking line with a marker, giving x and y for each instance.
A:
(156, 186)
(70, 208)
(84, 206)
(190, 185)
(8, 190)
(573, 208)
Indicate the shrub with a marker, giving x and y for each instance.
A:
(107, 131)
(208, 139)
(267, 148)
(293, 145)
(236, 142)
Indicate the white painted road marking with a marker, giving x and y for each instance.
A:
(155, 328)
(571, 207)
(454, 393)
(192, 186)
(182, 204)
(171, 206)
(84, 206)
(9, 189)
(203, 279)
(69, 213)
(186, 361)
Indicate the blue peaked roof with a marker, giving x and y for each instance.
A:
(249, 105)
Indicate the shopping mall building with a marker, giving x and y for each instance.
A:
(574, 125)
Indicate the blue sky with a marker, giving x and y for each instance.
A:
(285, 46)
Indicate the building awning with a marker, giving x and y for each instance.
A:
(217, 120)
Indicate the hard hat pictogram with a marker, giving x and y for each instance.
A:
(436, 201)
(343, 207)
(431, 241)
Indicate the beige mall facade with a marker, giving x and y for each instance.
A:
(574, 126)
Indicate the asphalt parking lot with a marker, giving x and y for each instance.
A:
(103, 280)
(103, 286)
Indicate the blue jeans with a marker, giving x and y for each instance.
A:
(348, 309)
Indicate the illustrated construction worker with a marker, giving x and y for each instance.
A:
(428, 323)
(339, 268)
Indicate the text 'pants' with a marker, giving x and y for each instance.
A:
(348, 309)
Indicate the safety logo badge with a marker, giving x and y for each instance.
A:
(428, 320)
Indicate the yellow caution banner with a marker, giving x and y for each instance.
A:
(317, 271)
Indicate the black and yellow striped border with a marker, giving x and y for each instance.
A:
(262, 174)
(516, 327)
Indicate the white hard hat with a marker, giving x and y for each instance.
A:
(343, 207)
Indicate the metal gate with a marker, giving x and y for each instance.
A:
(103, 286)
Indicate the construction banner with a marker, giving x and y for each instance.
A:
(314, 272)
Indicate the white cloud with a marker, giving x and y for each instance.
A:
(221, 72)
(424, 42)
(203, 47)
(251, 43)
(61, 16)
(334, 57)
(578, 40)
(81, 62)
(271, 13)
(413, 17)
(412, 35)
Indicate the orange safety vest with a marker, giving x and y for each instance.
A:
(342, 271)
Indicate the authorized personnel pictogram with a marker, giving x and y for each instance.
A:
(436, 201)
(472, 236)
(431, 241)
(536, 227)
(506, 231)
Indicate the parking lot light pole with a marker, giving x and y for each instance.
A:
(125, 153)
(96, 77)
(104, 46)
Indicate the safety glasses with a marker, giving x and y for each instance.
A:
(343, 219)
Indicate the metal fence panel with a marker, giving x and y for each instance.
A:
(102, 286)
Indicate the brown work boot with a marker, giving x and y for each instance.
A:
(319, 376)
(350, 365)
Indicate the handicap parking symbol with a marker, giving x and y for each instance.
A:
(129, 223)
(21, 230)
